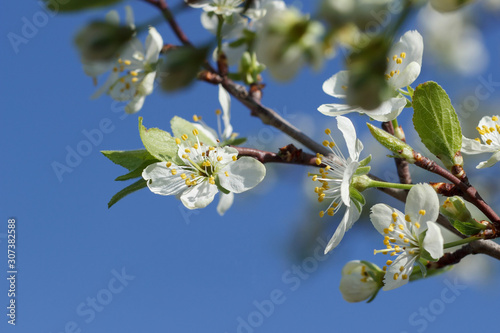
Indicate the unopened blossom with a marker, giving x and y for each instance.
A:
(489, 141)
(403, 68)
(194, 181)
(336, 178)
(403, 234)
(357, 284)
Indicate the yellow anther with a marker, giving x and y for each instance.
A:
(195, 132)
(403, 55)
(402, 268)
(225, 172)
(396, 275)
(332, 144)
(328, 167)
(134, 80)
(169, 164)
(133, 73)
(417, 225)
(401, 236)
(397, 72)
(234, 158)
(211, 180)
(391, 73)
(326, 143)
(183, 176)
(321, 214)
(411, 252)
(184, 137)
(327, 131)
(387, 76)
(386, 231)
(173, 171)
(335, 205)
(399, 61)
(406, 240)
(314, 178)
(395, 57)
(218, 112)
(401, 227)
(219, 158)
(394, 216)
(344, 87)
(127, 85)
(188, 182)
(422, 212)
(407, 218)
(187, 150)
(494, 118)
(492, 129)
(185, 156)
(196, 118)
(318, 161)
(178, 141)
(386, 242)
(389, 262)
(127, 62)
(489, 141)
(195, 146)
(404, 276)
(330, 212)
(120, 61)
(384, 268)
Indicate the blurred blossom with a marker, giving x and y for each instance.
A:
(448, 5)
(453, 41)
(287, 40)
(365, 14)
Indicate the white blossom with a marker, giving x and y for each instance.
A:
(489, 130)
(356, 284)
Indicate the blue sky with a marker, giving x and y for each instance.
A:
(149, 265)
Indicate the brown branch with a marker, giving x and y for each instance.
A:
(167, 14)
(402, 165)
(288, 154)
(480, 246)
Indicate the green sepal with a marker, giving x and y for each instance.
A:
(75, 5)
(362, 171)
(411, 91)
(181, 126)
(158, 143)
(417, 274)
(357, 197)
(137, 172)
(364, 162)
(129, 159)
(436, 122)
(397, 146)
(219, 186)
(140, 184)
(234, 142)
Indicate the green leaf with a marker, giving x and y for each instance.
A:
(74, 5)
(158, 143)
(181, 126)
(129, 159)
(137, 172)
(140, 184)
(234, 141)
(467, 228)
(436, 122)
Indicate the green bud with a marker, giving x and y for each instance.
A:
(400, 148)
(101, 41)
(360, 280)
(455, 210)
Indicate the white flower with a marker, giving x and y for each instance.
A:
(489, 129)
(356, 284)
(409, 236)
(132, 72)
(405, 60)
(287, 40)
(219, 7)
(336, 179)
(366, 14)
(194, 181)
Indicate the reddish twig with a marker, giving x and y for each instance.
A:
(288, 154)
(402, 165)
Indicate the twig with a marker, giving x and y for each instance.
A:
(401, 164)
(480, 246)
(288, 154)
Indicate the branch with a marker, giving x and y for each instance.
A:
(167, 14)
(402, 165)
(288, 154)
(480, 246)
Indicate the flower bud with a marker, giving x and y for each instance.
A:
(455, 209)
(360, 281)
(400, 148)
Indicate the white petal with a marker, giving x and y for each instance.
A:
(411, 43)
(129, 17)
(135, 104)
(388, 110)
(225, 202)
(225, 102)
(336, 86)
(243, 174)
(346, 182)
(199, 196)
(154, 44)
(405, 260)
(490, 162)
(422, 197)
(381, 217)
(347, 128)
(472, 147)
(161, 181)
(433, 241)
(334, 110)
(113, 17)
(351, 215)
(208, 132)
(147, 84)
(112, 78)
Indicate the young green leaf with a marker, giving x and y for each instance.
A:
(180, 127)
(436, 122)
(468, 228)
(129, 159)
(137, 172)
(158, 143)
(140, 184)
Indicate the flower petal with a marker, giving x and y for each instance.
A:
(347, 128)
(388, 110)
(334, 110)
(154, 44)
(350, 169)
(381, 217)
(351, 215)
(146, 85)
(411, 43)
(394, 276)
(336, 86)
(490, 162)
(433, 241)
(129, 17)
(242, 175)
(135, 104)
(225, 103)
(225, 202)
(472, 147)
(422, 197)
(161, 181)
(199, 196)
